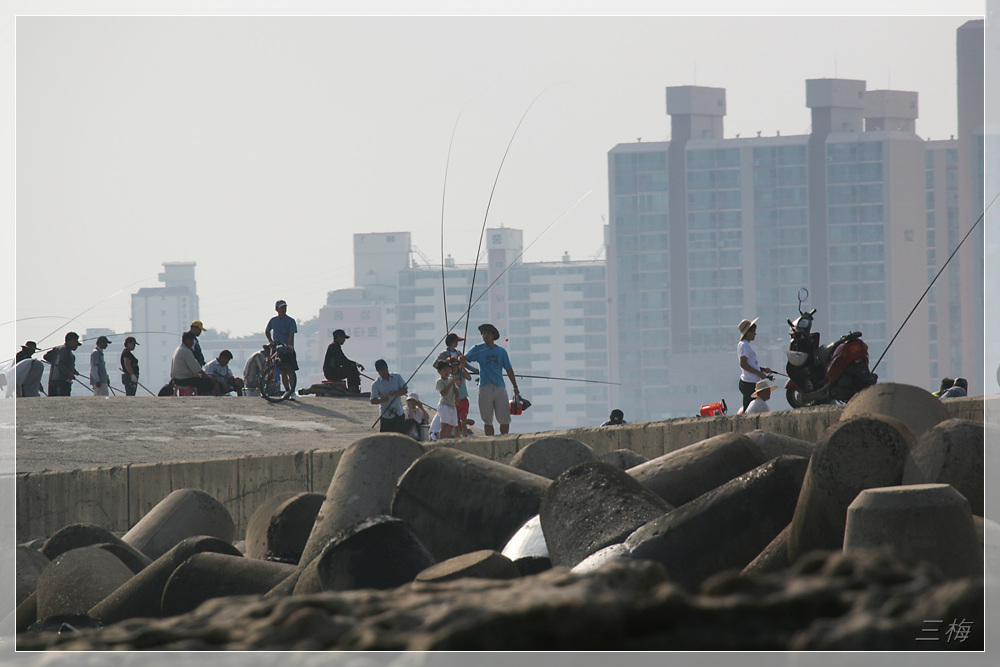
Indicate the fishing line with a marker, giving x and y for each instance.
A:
(488, 287)
(444, 189)
(940, 271)
(95, 306)
(482, 231)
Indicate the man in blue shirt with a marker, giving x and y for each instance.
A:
(493, 361)
(387, 391)
(284, 330)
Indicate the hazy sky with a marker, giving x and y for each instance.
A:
(257, 146)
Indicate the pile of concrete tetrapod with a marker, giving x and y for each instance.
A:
(734, 542)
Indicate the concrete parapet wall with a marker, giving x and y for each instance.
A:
(116, 498)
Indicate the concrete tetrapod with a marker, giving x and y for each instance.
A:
(380, 552)
(928, 522)
(725, 528)
(853, 455)
(527, 548)
(772, 445)
(362, 486)
(78, 579)
(183, 513)
(953, 452)
(485, 564)
(553, 455)
(773, 558)
(598, 559)
(592, 506)
(456, 502)
(207, 575)
(28, 565)
(77, 535)
(915, 407)
(623, 458)
(684, 474)
(142, 595)
(280, 527)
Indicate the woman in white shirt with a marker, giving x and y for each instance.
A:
(750, 370)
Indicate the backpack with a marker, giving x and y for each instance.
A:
(52, 355)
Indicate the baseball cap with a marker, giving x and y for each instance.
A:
(452, 338)
(103, 339)
(340, 332)
(279, 303)
(132, 339)
(197, 323)
(72, 335)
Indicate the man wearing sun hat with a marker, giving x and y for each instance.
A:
(493, 361)
(750, 370)
(762, 392)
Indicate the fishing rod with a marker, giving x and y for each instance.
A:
(546, 377)
(495, 280)
(938, 275)
(444, 189)
(482, 231)
(94, 306)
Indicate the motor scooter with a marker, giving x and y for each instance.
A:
(823, 374)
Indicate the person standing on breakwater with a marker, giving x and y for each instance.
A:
(750, 370)
(197, 328)
(99, 379)
(388, 389)
(448, 395)
(460, 370)
(63, 366)
(27, 376)
(284, 330)
(492, 360)
(130, 367)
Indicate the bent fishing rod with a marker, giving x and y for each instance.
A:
(938, 275)
(444, 189)
(482, 231)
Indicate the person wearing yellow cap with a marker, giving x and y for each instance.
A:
(196, 328)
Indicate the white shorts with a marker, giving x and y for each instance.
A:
(449, 415)
(493, 401)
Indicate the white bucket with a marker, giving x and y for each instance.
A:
(425, 432)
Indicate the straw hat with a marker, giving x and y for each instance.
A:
(761, 386)
(744, 326)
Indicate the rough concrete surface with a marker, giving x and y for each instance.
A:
(71, 434)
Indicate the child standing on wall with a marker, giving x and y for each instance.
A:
(447, 387)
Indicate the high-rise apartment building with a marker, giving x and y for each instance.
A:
(159, 316)
(862, 212)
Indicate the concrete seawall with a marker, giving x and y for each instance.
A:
(117, 497)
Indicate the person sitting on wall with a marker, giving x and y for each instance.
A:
(218, 369)
(185, 370)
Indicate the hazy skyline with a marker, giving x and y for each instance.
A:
(247, 142)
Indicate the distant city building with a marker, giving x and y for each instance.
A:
(705, 231)
(552, 318)
(159, 316)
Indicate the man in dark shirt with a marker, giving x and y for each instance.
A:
(336, 365)
(64, 368)
(130, 367)
(197, 328)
